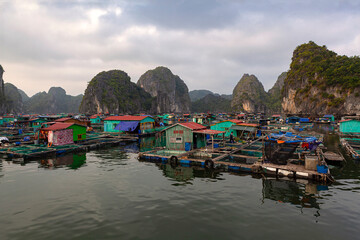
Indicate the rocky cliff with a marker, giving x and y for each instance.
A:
(211, 103)
(170, 92)
(274, 95)
(113, 92)
(13, 99)
(249, 95)
(54, 101)
(321, 82)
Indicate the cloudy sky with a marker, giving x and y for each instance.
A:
(210, 44)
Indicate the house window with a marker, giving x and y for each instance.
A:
(79, 136)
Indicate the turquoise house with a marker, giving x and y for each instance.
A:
(350, 126)
(95, 119)
(130, 124)
(225, 126)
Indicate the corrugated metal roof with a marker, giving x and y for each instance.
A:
(58, 126)
(209, 131)
(125, 118)
(193, 125)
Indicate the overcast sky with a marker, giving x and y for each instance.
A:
(209, 44)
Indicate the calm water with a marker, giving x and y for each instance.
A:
(110, 194)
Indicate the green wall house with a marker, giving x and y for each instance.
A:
(225, 126)
(135, 124)
(37, 122)
(95, 119)
(79, 132)
(350, 126)
(7, 119)
(181, 136)
(187, 136)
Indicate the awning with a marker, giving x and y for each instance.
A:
(209, 131)
(127, 126)
(243, 128)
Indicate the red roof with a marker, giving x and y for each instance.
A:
(209, 131)
(193, 125)
(63, 119)
(94, 116)
(58, 126)
(235, 121)
(125, 118)
(276, 115)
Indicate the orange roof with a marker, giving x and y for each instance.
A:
(235, 121)
(125, 118)
(193, 125)
(209, 131)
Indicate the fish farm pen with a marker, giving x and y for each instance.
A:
(251, 158)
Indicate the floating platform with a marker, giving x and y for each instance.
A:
(28, 152)
(248, 158)
(351, 146)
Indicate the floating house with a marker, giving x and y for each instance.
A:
(95, 119)
(75, 121)
(225, 126)
(331, 118)
(245, 130)
(130, 124)
(188, 136)
(293, 120)
(63, 133)
(350, 126)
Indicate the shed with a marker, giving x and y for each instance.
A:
(350, 126)
(187, 136)
(58, 134)
(78, 131)
(127, 123)
(245, 130)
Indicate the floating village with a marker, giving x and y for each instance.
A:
(280, 146)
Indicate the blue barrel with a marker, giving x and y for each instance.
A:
(187, 146)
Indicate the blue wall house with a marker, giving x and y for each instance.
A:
(129, 124)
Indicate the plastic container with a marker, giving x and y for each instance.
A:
(322, 169)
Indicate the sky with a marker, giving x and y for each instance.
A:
(209, 44)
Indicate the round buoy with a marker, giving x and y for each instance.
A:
(173, 160)
(209, 163)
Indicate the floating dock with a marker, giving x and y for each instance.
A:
(247, 158)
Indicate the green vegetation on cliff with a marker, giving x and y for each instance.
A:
(324, 67)
(211, 103)
(320, 81)
(113, 92)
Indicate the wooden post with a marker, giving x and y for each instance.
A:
(224, 139)
(212, 141)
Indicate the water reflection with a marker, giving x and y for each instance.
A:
(303, 194)
(187, 174)
(71, 161)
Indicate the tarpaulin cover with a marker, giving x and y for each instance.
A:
(127, 126)
(291, 138)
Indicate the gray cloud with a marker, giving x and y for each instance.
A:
(210, 44)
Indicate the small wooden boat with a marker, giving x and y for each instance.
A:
(333, 158)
